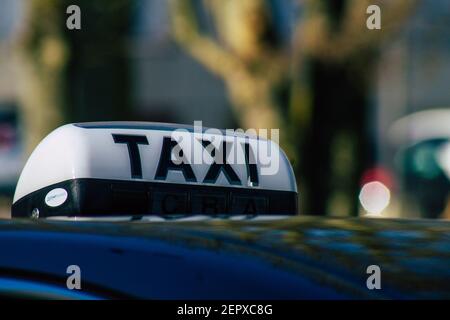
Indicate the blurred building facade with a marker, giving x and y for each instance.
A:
(11, 148)
(168, 85)
(414, 70)
(413, 75)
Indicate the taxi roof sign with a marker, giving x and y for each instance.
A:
(137, 168)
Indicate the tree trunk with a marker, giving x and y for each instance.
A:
(340, 145)
(73, 75)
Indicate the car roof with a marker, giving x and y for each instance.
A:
(300, 257)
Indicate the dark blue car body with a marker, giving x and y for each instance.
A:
(292, 258)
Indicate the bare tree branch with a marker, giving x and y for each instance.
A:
(201, 47)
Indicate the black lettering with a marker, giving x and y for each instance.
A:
(165, 204)
(210, 203)
(250, 208)
(215, 168)
(132, 143)
(165, 162)
(252, 169)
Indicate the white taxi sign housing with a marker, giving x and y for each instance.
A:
(132, 168)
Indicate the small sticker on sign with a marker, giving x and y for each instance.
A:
(56, 197)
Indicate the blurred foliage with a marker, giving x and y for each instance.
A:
(315, 89)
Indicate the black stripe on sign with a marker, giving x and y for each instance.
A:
(101, 197)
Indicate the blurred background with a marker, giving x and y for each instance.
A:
(364, 115)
